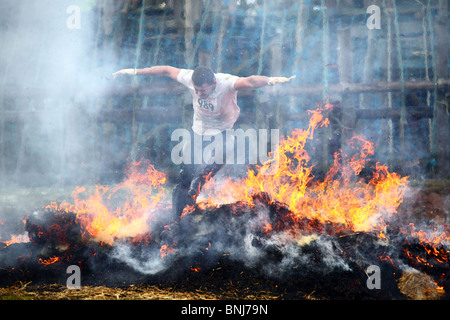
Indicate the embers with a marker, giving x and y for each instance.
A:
(54, 230)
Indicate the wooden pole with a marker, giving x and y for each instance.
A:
(403, 121)
(172, 112)
(192, 11)
(371, 51)
(224, 21)
(427, 74)
(262, 37)
(372, 114)
(115, 89)
(381, 86)
(263, 100)
(276, 67)
(301, 29)
(441, 118)
(389, 47)
(326, 137)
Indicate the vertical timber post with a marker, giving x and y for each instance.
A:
(301, 29)
(275, 70)
(262, 99)
(389, 46)
(345, 67)
(403, 121)
(192, 11)
(325, 78)
(441, 117)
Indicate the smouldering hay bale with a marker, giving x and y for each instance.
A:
(419, 286)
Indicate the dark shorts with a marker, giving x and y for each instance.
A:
(206, 155)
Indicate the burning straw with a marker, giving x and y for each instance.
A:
(289, 226)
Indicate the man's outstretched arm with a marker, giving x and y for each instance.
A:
(255, 82)
(162, 71)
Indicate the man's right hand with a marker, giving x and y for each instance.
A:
(124, 72)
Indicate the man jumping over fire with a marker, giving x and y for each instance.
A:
(215, 111)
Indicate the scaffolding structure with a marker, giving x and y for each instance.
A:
(392, 81)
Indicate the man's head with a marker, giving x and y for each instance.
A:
(204, 81)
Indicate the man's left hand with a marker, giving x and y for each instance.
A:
(275, 80)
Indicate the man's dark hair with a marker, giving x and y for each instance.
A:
(203, 75)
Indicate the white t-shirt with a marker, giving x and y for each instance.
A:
(219, 111)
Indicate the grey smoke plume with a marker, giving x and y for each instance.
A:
(47, 61)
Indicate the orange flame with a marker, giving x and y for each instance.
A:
(164, 250)
(108, 214)
(17, 239)
(342, 197)
(433, 240)
(432, 236)
(187, 210)
(195, 269)
(49, 261)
